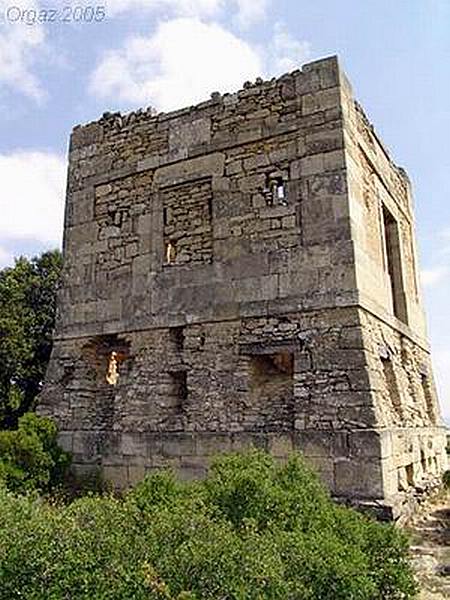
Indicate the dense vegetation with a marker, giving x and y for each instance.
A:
(252, 530)
(30, 458)
(27, 316)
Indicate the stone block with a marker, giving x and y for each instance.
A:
(164, 462)
(324, 467)
(210, 444)
(370, 444)
(134, 444)
(188, 473)
(315, 443)
(191, 169)
(191, 133)
(116, 475)
(280, 445)
(136, 473)
(358, 479)
(178, 444)
(65, 440)
(320, 100)
(244, 441)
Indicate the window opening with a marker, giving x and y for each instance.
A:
(177, 337)
(171, 252)
(394, 265)
(179, 386)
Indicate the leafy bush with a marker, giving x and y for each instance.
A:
(253, 530)
(30, 458)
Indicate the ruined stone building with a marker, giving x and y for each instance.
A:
(243, 272)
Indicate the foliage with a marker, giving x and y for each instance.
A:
(253, 530)
(27, 316)
(30, 457)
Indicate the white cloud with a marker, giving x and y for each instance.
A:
(32, 198)
(434, 276)
(181, 63)
(185, 60)
(286, 53)
(251, 11)
(19, 43)
(177, 7)
(245, 12)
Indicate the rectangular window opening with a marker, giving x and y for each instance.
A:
(278, 189)
(394, 265)
(109, 355)
(272, 389)
(423, 461)
(178, 387)
(177, 337)
(171, 252)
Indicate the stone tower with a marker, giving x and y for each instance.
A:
(243, 272)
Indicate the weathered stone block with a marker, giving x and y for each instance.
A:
(178, 444)
(134, 444)
(212, 444)
(358, 479)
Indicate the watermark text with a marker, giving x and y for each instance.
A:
(67, 14)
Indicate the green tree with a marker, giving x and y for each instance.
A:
(30, 458)
(27, 317)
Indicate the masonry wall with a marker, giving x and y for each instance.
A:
(220, 290)
(126, 173)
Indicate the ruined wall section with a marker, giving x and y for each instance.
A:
(202, 180)
(296, 381)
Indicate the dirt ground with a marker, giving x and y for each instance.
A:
(430, 547)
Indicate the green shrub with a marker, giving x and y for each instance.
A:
(253, 530)
(30, 457)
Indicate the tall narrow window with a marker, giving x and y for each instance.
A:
(112, 374)
(394, 265)
(171, 252)
(177, 337)
(178, 388)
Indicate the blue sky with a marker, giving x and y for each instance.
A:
(169, 53)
